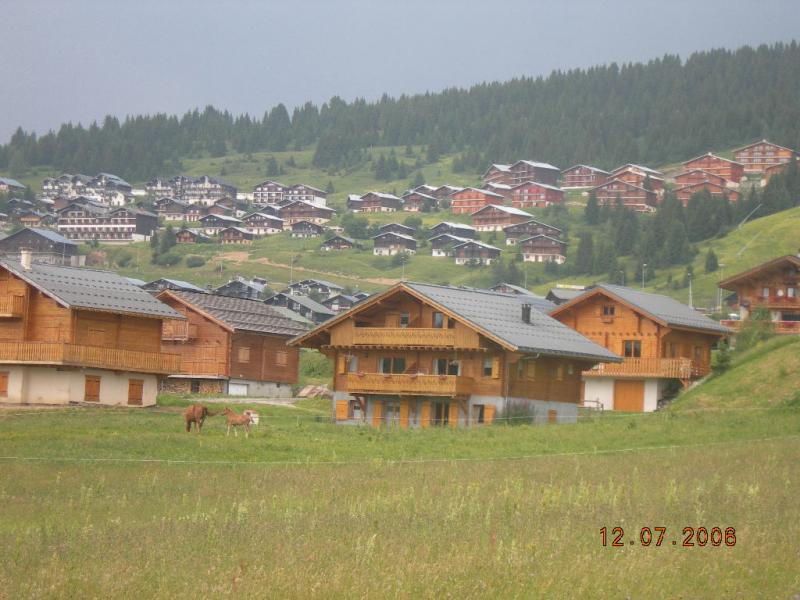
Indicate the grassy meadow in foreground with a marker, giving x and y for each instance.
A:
(521, 519)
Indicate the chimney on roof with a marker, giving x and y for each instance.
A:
(25, 258)
(526, 313)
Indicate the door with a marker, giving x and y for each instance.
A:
(629, 395)
(4, 384)
(237, 389)
(91, 391)
(135, 392)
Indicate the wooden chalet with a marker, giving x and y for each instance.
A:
(639, 176)
(268, 192)
(247, 289)
(693, 176)
(494, 217)
(31, 218)
(316, 287)
(164, 283)
(685, 193)
(337, 242)
(304, 306)
(730, 170)
(340, 303)
(397, 228)
(527, 229)
(195, 212)
(470, 199)
(90, 221)
(220, 209)
(72, 335)
(298, 210)
(10, 185)
(659, 338)
(44, 246)
(502, 189)
(583, 176)
(442, 245)
(564, 293)
(532, 194)
(773, 286)
(543, 248)
(772, 170)
(475, 252)
(459, 229)
(306, 229)
(306, 193)
(260, 223)
(188, 235)
(758, 156)
(616, 192)
(531, 170)
(377, 202)
(497, 173)
(213, 224)
(390, 243)
(420, 355)
(445, 191)
(229, 346)
(171, 209)
(236, 235)
(206, 190)
(416, 201)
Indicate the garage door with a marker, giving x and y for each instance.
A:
(629, 395)
(237, 389)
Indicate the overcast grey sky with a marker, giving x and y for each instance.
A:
(78, 60)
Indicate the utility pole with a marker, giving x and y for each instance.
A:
(622, 271)
(691, 302)
(719, 289)
(644, 270)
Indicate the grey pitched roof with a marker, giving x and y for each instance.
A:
(501, 315)
(47, 233)
(664, 308)
(564, 293)
(92, 289)
(242, 314)
(184, 285)
(11, 182)
(310, 304)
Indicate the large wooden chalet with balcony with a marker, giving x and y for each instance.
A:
(660, 339)
(773, 286)
(470, 199)
(532, 194)
(229, 345)
(758, 156)
(421, 355)
(730, 170)
(72, 335)
(616, 192)
(495, 217)
(583, 176)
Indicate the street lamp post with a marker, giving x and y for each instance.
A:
(622, 271)
(719, 289)
(644, 270)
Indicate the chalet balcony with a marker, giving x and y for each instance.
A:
(409, 384)
(173, 330)
(203, 368)
(672, 368)
(12, 306)
(57, 353)
(407, 337)
(777, 326)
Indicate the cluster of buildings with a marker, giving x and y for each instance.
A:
(103, 188)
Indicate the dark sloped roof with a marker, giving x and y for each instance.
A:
(92, 289)
(564, 293)
(664, 308)
(45, 233)
(243, 315)
(501, 316)
(310, 304)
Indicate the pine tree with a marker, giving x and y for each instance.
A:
(584, 257)
(712, 264)
(591, 213)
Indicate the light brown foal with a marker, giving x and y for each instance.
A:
(236, 420)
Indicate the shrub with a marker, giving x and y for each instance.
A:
(124, 258)
(518, 413)
(756, 329)
(721, 360)
(168, 259)
(193, 261)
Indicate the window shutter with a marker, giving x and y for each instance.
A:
(377, 412)
(453, 416)
(342, 364)
(496, 367)
(488, 414)
(341, 410)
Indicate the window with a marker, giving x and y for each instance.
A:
(477, 413)
(608, 310)
(135, 392)
(445, 366)
(354, 409)
(352, 364)
(281, 358)
(438, 320)
(4, 384)
(765, 292)
(243, 355)
(391, 365)
(487, 366)
(404, 319)
(195, 386)
(791, 292)
(633, 349)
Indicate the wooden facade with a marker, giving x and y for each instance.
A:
(543, 248)
(615, 192)
(378, 202)
(475, 252)
(685, 193)
(583, 176)
(236, 235)
(402, 359)
(693, 176)
(494, 217)
(416, 201)
(306, 229)
(640, 178)
(730, 170)
(390, 243)
(758, 156)
(304, 211)
(337, 242)
(773, 286)
(533, 194)
(469, 200)
(529, 228)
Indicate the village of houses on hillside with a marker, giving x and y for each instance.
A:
(416, 354)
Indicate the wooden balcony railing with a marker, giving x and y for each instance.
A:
(404, 336)
(177, 330)
(409, 384)
(776, 326)
(57, 353)
(210, 368)
(12, 306)
(677, 368)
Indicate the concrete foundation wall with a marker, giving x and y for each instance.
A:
(264, 389)
(33, 384)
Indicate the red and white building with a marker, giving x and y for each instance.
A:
(495, 217)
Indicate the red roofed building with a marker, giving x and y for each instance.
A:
(756, 157)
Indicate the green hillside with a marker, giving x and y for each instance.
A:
(765, 376)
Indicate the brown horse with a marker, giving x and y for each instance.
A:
(196, 413)
(236, 420)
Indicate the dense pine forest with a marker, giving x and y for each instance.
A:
(653, 113)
